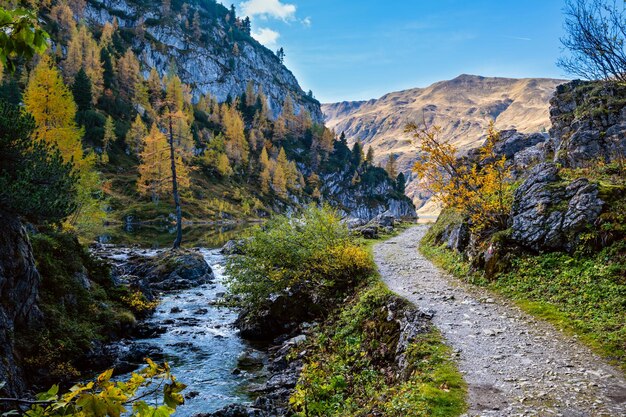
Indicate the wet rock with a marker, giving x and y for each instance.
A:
(235, 410)
(233, 247)
(167, 271)
(175, 310)
(250, 360)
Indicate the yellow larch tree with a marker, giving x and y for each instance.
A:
(237, 147)
(136, 135)
(52, 105)
(154, 168)
(84, 52)
(108, 138)
(128, 73)
(481, 189)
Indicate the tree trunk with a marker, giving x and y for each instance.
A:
(179, 214)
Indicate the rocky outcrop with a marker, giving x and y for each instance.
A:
(588, 123)
(157, 271)
(549, 214)
(19, 284)
(366, 200)
(207, 62)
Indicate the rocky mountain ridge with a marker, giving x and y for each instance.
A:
(462, 107)
(205, 62)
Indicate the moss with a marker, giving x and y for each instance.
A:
(80, 305)
(351, 369)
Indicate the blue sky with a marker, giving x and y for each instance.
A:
(357, 50)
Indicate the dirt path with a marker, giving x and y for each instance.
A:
(514, 364)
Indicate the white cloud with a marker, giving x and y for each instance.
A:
(307, 22)
(266, 36)
(268, 8)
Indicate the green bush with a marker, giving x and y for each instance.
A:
(314, 250)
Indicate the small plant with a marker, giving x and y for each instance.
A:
(106, 398)
(139, 304)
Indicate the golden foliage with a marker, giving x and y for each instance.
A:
(481, 189)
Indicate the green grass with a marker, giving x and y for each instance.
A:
(580, 294)
(350, 368)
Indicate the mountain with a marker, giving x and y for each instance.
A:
(462, 107)
(208, 59)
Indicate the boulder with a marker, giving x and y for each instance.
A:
(386, 219)
(458, 237)
(167, 271)
(233, 247)
(549, 214)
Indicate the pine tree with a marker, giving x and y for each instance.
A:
(108, 138)
(357, 154)
(401, 183)
(35, 183)
(135, 136)
(81, 89)
(370, 156)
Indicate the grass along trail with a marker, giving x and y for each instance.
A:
(514, 364)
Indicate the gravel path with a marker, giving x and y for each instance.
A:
(514, 364)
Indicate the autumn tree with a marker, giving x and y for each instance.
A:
(237, 147)
(215, 156)
(128, 73)
(54, 110)
(480, 189)
(84, 52)
(135, 136)
(153, 167)
(391, 167)
(196, 26)
(279, 182)
(108, 138)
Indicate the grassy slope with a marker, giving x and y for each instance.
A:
(348, 370)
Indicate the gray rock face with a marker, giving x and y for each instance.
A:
(366, 201)
(548, 214)
(588, 123)
(19, 289)
(209, 64)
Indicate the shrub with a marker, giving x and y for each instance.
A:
(314, 250)
(104, 397)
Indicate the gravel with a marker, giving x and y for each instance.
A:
(514, 364)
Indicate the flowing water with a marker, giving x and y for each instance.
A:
(200, 343)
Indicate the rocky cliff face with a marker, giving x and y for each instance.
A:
(19, 288)
(588, 123)
(210, 62)
(366, 201)
(462, 107)
(554, 206)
